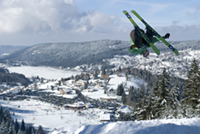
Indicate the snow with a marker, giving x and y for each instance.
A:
(57, 120)
(125, 109)
(170, 126)
(70, 122)
(49, 116)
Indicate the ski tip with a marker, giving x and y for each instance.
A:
(124, 11)
(133, 11)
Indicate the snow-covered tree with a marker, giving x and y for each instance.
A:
(16, 126)
(120, 89)
(161, 98)
(23, 126)
(40, 130)
(191, 92)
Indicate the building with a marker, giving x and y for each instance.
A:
(76, 106)
(108, 98)
(104, 118)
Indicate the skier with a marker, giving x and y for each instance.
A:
(139, 45)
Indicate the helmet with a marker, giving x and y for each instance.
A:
(146, 53)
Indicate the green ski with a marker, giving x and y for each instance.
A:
(154, 32)
(141, 33)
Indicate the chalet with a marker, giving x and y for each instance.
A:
(119, 75)
(105, 77)
(79, 83)
(75, 106)
(108, 98)
(104, 118)
(91, 90)
(65, 91)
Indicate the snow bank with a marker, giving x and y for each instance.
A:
(173, 126)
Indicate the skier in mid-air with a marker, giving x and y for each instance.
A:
(139, 45)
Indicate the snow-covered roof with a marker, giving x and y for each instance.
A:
(125, 109)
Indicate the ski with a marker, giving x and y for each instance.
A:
(141, 33)
(154, 32)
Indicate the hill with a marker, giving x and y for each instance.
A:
(7, 50)
(72, 54)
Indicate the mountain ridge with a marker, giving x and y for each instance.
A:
(73, 54)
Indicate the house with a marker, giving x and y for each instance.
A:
(105, 77)
(104, 118)
(91, 90)
(65, 91)
(108, 98)
(79, 83)
(76, 106)
(119, 75)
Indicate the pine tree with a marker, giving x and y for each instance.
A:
(23, 126)
(161, 96)
(95, 74)
(123, 98)
(120, 89)
(1, 114)
(11, 129)
(120, 69)
(19, 132)
(175, 99)
(40, 130)
(139, 112)
(164, 86)
(148, 105)
(16, 126)
(191, 92)
(103, 72)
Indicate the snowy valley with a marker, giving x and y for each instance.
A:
(70, 100)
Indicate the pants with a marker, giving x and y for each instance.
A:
(138, 40)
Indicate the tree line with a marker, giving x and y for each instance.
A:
(12, 78)
(165, 99)
(9, 126)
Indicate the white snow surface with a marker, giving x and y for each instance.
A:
(61, 121)
(169, 126)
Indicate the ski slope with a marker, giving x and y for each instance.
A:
(170, 126)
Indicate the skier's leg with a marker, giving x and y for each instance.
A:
(149, 35)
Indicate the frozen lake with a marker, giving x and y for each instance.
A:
(45, 72)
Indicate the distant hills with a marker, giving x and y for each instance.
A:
(6, 50)
(72, 54)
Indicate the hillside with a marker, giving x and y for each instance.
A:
(93, 52)
(7, 50)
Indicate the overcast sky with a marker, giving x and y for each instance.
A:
(29, 22)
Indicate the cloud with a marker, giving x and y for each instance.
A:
(42, 16)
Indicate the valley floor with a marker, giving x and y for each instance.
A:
(57, 120)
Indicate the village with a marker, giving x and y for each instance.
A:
(76, 95)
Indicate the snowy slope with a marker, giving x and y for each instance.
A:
(175, 65)
(173, 126)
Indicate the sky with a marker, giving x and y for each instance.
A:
(30, 22)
